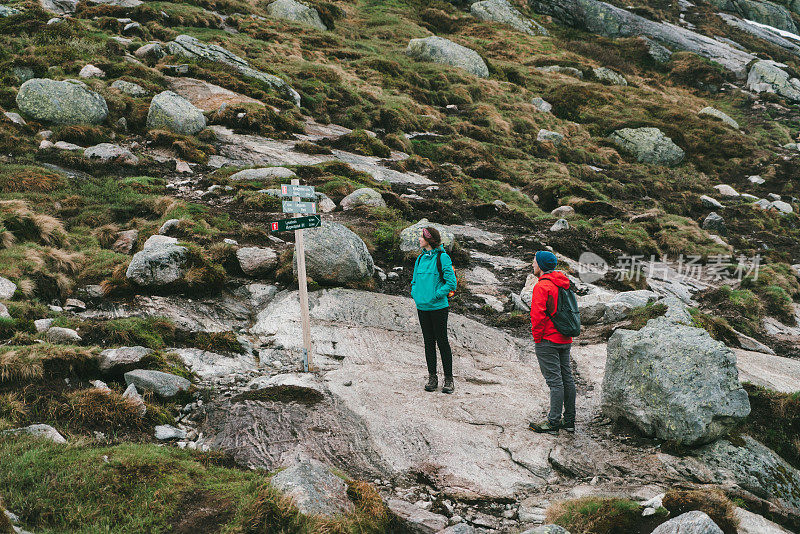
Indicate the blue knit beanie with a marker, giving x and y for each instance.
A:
(546, 260)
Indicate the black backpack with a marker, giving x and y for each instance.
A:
(441, 271)
(567, 318)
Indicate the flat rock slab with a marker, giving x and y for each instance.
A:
(245, 150)
(369, 347)
(417, 520)
(773, 372)
(206, 364)
(207, 96)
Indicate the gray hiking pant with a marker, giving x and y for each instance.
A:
(554, 363)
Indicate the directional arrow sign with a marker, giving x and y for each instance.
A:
(298, 223)
(293, 206)
(302, 191)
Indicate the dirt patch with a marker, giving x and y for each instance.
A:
(282, 394)
(202, 511)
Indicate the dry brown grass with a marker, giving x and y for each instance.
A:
(711, 501)
(12, 408)
(27, 363)
(106, 235)
(27, 225)
(96, 408)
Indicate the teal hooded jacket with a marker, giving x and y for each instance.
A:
(427, 288)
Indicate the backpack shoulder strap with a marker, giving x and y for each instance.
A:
(439, 265)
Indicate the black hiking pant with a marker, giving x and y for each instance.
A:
(554, 363)
(434, 331)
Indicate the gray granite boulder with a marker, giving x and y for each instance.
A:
(416, 520)
(296, 12)
(60, 335)
(157, 265)
(759, 11)
(335, 255)
(503, 12)
(39, 431)
(550, 136)
(163, 384)
(441, 50)
(191, 47)
(170, 111)
(714, 223)
(257, 261)
(409, 237)
(263, 173)
(106, 152)
(604, 74)
(767, 76)
(366, 196)
(694, 522)
(7, 288)
(724, 117)
(121, 357)
(61, 102)
(649, 145)
(313, 488)
(686, 384)
(59, 7)
(129, 88)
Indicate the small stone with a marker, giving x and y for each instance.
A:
(168, 432)
(7, 288)
(560, 225)
(550, 136)
(43, 325)
(542, 105)
(90, 71)
(57, 334)
(709, 202)
(563, 211)
(726, 191)
(169, 226)
(133, 395)
(756, 179)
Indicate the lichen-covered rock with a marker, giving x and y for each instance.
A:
(61, 102)
(767, 76)
(188, 46)
(674, 382)
(550, 136)
(604, 74)
(566, 71)
(6, 11)
(756, 468)
(335, 255)
(106, 152)
(409, 237)
(39, 431)
(313, 488)
(542, 105)
(366, 196)
(163, 384)
(649, 145)
(170, 111)
(415, 519)
(129, 88)
(760, 11)
(296, 12)
(263, 173)
(724, 117)
(502, 11)
(445, 51)
(157, 265)
(714, 223)
(59, 7)
(65, 336)
(7, 288)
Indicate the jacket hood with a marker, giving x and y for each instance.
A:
(558, 278)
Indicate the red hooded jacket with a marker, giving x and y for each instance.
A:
(545, 297)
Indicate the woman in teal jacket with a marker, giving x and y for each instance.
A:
(430, 288)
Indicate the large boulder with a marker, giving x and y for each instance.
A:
(191, 47)
(441, 50)
(296, 12)
(157, 265)
(767, 76)
(409, 237)
(611, 21)
(759, 11)
(503, 12)
(106, 152)
(59, 7)
(336, 255)
(604, 74)
(170, 111)
(163, 384)
(366, 196)
(673, 382)
(694, 522)
(755, 468)
(649, 145)
(313, 488)
(61, 102)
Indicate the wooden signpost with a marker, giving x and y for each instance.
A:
(298, 223)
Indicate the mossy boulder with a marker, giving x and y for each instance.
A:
(170, 111)
(503, 12)
(409, 237)
(296, 12)
(649, 145)
(157, 265)
(61, 102)
(767, 77)
(445, 51)
(335, 255)
(674, 382)
(365, 196)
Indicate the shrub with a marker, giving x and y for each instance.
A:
(97, 409)
(259, 119)
(360, 142)
(713, 502)
(25, 363)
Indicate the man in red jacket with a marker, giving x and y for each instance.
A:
(552, 348)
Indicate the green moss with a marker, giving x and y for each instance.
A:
(639, 316)
(775, 421)
(596, 515)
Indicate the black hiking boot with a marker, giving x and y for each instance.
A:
(433, 383)
(569, 427)
(544, 428)
(448, 385)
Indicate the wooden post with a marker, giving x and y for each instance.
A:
(305, 318)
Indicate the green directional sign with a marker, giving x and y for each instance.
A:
(292, 206)
(302, 191)
(298, 223)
